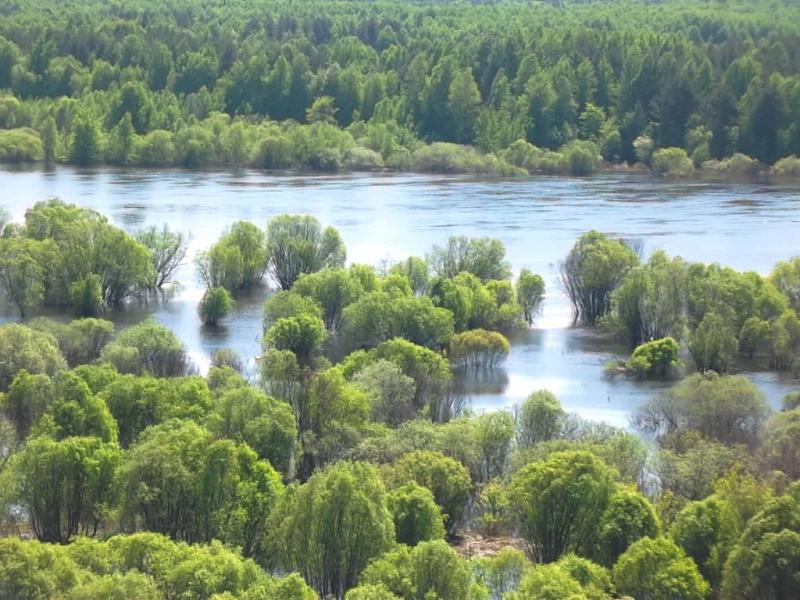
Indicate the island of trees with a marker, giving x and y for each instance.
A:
(506, 87)
(347, 466)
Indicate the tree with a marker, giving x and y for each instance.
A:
(24, 348)
(248, 416)
(75, 411)
(483, 257)
(429, 570)
(727, 409)
(478, 349)
(463, 102)
(548, 582)
(416, 516)
(331, 527)
(168, 249)
(379, 316)
(765, 560)
(31, 569)
(702, 530)
(445, 477)
(85, 143)
(22, 275)
(558, 503)
(147, 348)
(297, 244)
(67, 486)
(780, 443)
(333, 290)
(215, 304)
(530, 294)
(654, 359)
(593, 269)
(495, 432)
(657, 569)
(628, 518)
(301, 335)
(786, 277)
(539, 419)
(713, 343)
(390, 390)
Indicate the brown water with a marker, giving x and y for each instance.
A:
(748, 226)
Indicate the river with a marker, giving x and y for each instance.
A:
(748, 226)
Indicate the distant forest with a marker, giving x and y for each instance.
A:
(487, 86)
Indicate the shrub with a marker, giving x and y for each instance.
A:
(215, 305)
(736, 165)
(672, 162)
(478, 349)
(654, 359)
(787, 167)
(20, 145)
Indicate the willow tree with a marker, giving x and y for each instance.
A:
(593, 269)
(297, 244)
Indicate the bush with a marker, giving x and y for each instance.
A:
(147, 348)
(20, 145)
(654, 359)
(672, 162)
(581, 157)
(478, 349)
(737, 165)
(416, 516)
(787, 167)
(215, 305)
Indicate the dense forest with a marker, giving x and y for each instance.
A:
(507, 87)
(348, 466)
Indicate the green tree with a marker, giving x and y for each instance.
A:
(558, 503)
(67, 487)
(483, 257)
(168, 249)
(147, 348)
(333, 290)
(463, 102)
(530, 294)
(713, 343)
(330, 528)
(24, 348)
(540, 418)
(215, 304)
(22, 275)
(86, 142)
(445, 477)
(595, 266)
(302, 335)
(416, 516)
(658, 569)
(628, 518)
(431, 569)
(297, 244)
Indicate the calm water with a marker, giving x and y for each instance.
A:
(747, 226)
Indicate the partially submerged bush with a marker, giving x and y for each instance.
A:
(787, 167)
(654, 359)
(736, 165)
(672, 162)
(479, 349)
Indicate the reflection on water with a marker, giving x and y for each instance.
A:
(388, 216)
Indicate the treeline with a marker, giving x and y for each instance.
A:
(367, 85)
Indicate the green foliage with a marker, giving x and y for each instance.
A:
(429, 570)
(530, 294)
(595, 266)
(658, 569)
(215, 304)
(654, 359)
(558, 503)
(478, 349)
(713, 344)
(540, 418)
(302, 335)
(628, 517)
(671, 162)
(780, 443)
(267, 425)
(147, 348)
(332, 526)
(297, 244)
(727, 409)
(67, 486)
(25, 348)
(482, 257)
(237, 261)
(390, 390)
(445, 477)
(416, 516)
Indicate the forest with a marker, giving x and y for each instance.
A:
(348, 466)
(507, 87)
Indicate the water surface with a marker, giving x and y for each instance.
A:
(748, 226)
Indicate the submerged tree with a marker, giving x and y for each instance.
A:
(593, 269)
